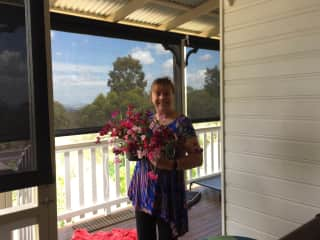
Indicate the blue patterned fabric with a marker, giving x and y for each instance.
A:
(166, 197)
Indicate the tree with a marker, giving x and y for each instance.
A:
(61, 119)
(212, 81)
(202, 105)
(95, 113)
(127, 74)
(127, 86)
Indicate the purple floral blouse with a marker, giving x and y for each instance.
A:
(165, 197)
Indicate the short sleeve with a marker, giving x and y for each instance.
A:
(185, 127)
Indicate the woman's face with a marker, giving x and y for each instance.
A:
(162, 99)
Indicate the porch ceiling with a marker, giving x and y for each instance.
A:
(192, 17)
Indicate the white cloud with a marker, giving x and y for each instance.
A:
(168, 65)
(73, 80)
(158, 48)
(58, 53)
(196, 79)
(144, 56)
(205, 57)
(79, 68)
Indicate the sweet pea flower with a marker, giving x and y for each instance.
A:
(114, 114)
(130, 132)
(117, 160)
(143, 137)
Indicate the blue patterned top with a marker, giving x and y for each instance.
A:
(165, 197)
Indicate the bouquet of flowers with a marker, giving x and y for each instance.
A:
(138, 136)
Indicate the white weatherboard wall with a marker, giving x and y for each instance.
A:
(271, 115)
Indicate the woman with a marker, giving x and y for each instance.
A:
(161, 203)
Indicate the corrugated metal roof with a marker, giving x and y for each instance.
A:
(201, 24)
(153, 14)
(99, 7)
(194, 17)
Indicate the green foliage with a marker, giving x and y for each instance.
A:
(212, 81)
(94, 114)
(61, 119)
(127, 86)
(127, 74)
(201, 104)
(204, 103)
(60, 194)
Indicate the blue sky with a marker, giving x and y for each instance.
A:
(81, 64)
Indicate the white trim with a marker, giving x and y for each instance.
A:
(222, 141)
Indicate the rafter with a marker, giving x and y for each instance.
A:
(191, 14)
(126, 10)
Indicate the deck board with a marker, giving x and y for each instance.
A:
(204, 217)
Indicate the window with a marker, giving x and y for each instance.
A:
(203, 85)
(94, 75)
(25, 158)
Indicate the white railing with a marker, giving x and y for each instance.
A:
(90, 183)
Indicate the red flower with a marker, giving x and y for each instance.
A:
(153, 176)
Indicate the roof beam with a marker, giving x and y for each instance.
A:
(211, 32)
(191, 14)
(126, 10)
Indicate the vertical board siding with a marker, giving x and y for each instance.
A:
(271, 115)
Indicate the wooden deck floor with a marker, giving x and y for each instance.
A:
(204, 217)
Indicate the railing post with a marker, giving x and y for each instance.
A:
(212, 150)
(67, 182)
(127, 164)
(81, 178)
(205, 157)
(117, 172)
(94, 177)
(105, 171)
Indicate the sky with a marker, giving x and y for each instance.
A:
(81, 64)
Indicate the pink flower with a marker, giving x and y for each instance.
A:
(114, 114)
(152, 176)
(139, 135)
(117, 160)
(143, 137)
(114, 132)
